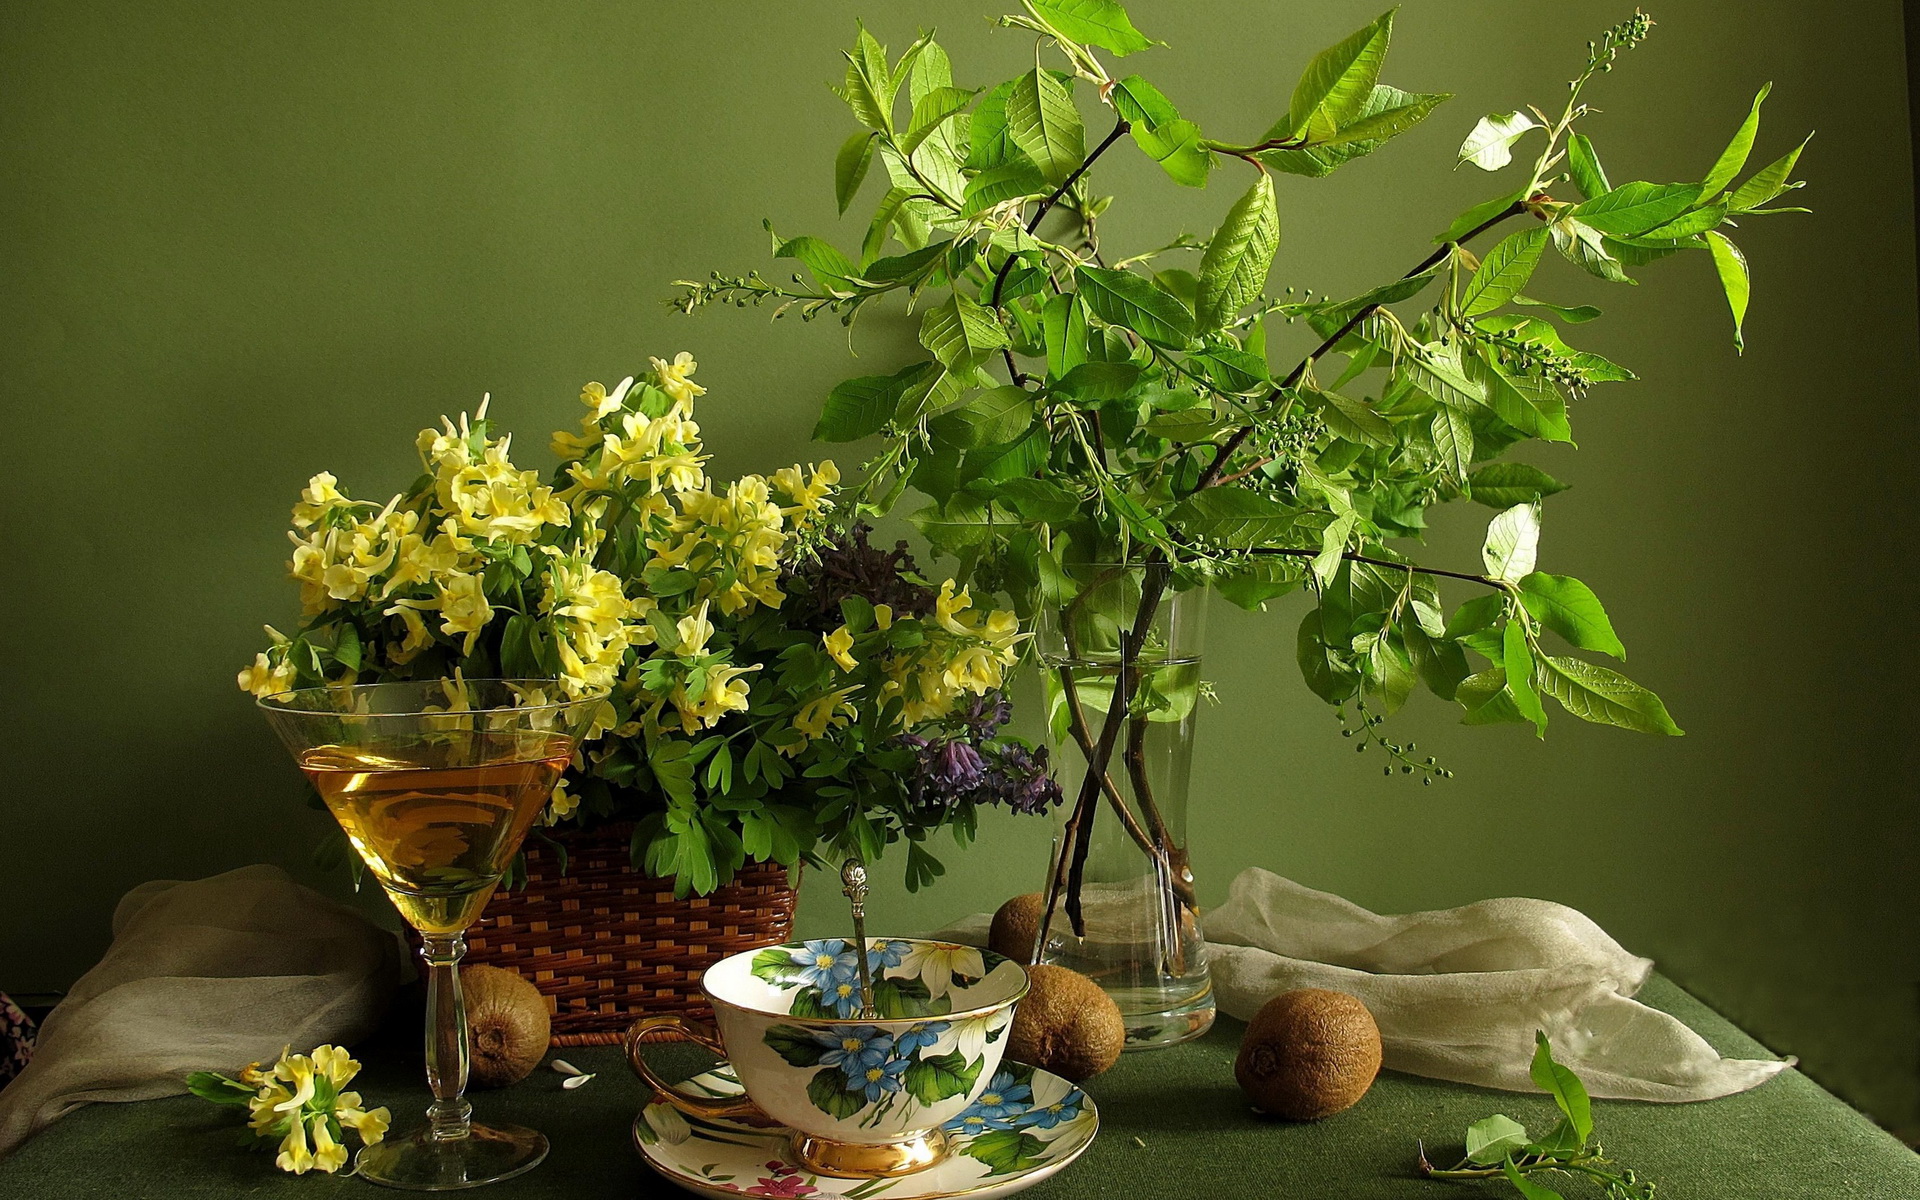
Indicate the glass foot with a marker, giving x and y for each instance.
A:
(417, 1162)
(1149, 1027)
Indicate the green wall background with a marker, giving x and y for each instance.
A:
(247, 241)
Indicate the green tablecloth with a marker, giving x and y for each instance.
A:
(1172, 1125)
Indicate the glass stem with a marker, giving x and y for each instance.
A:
(447, 1116)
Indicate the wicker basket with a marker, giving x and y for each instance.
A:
(606, 945)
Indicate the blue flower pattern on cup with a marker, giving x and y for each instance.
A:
(860, 1066)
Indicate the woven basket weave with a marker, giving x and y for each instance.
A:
(606, 945)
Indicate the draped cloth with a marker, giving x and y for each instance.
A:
(205, 975)
(1458, 993)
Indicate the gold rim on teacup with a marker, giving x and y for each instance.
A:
(860, 1106)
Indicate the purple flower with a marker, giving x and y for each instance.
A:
(958, 765)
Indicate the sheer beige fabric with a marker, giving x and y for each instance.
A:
(206, 975)
(1459, 992)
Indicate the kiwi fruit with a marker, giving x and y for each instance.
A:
(507, 1025)
(1308, 1054)
(1016, 927)
(1066, 1025)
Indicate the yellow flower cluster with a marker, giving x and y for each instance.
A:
(634, 471)
(301, 1101)
(962, 655)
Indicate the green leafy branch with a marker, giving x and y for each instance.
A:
(1499, 1147)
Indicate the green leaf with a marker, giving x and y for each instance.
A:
(828, 1092)
(1585, 247)
(931, 1080)
(1260, 579)
(961, 334)
(1354, 420)
(992, 418)
(1687, 224)
(930, 112)
(1584, 165)
(850, 167)
(1187, 425)
(1325, 673)
(1130, 301)
(1734, 157)
(1389, 675)
(1528, 1189)
(954, 526)
(1569, 608)
(831, 269)
(1338, 82)
(931, 69)
(1513, 543)
(862, 96)
(1099, 23)
(1453, 438)
(1094, 383)
(1233, 517)
(860, 407)
(218, 1088)
(1005, 1150)
(1039, 500)
(1569, 1095)
(1161, 133)
(1323, 158)
(1234, 269)
(1490, 145)
(1437, 371)
(1486, 699)
(1042, 120)
(1491, 1139)
(795, 1045)
(1530, 403)
(1389, 122)
(1605, 697)
(1503, 485)
(1517, 660)
(1504, 271)
(1633, 208)
(346, 647)
(1768, 183)
(1008, 181)
(1578, 314)
(1333, 545)
(1479, 215)
(1732, 268)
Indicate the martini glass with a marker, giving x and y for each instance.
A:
(435, 784)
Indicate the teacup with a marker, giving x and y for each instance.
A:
(864, 1097)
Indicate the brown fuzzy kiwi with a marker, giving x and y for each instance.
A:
(1308, 1054)
(1016, 926)
(507, 1025)
(1066, 1025)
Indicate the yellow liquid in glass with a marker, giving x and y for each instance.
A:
(438, 836)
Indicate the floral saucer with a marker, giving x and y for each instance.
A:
(1026, 1125)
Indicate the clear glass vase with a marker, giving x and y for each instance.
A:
(1121, 650)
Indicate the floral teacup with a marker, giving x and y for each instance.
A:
(864, 1097)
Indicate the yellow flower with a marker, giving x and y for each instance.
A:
(418, 637)
(464, 608)
(370, 1125)
(839, 645)
(560, 805)
(328, 1155)
(264, 678)
(319, 496)
(694, 631)
(883, 617)
(676, 377)
(974, 669)
(947, 607)
(596, 397)
(294, 1155)
(831, 711)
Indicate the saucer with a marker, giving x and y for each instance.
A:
(1027, 1125)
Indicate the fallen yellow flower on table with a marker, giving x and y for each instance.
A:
(299, 1100)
